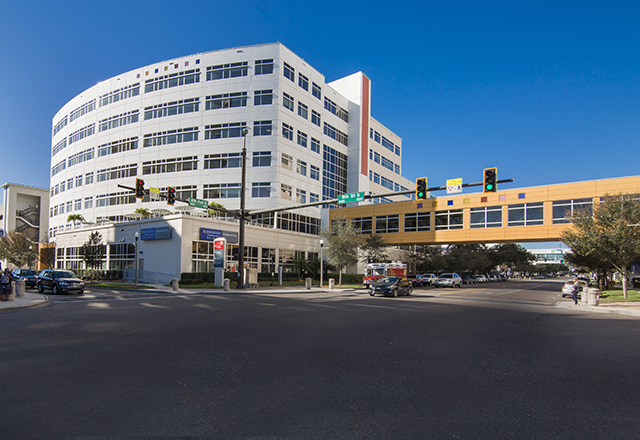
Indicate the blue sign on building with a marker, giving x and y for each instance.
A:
(162, 233)
(211, 234)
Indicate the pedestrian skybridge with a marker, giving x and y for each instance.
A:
(530, 214)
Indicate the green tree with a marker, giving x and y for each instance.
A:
(431, 259)
(144, 212)
(217, 209)
(605, 236)
(342, 240)
(373, 249)
(301, 265)
(467, 258)
(75, 218)
(93, 251)
(511, 255)
(17, 249)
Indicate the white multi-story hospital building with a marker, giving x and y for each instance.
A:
(179, 123)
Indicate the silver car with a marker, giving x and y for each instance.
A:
(448, 280)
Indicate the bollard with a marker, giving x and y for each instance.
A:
(332, 283)
(20, 286)
(594, 296)
(12, 295)
(307, 283)
(226, 284)
(175, 284)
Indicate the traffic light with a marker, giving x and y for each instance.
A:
(421, 188)
(139, 188)
(171, 195)
(490, 180)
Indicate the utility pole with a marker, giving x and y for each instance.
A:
(242, 212)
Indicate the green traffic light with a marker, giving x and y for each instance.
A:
(420, 194)
(489, 187)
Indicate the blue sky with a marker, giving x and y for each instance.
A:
(547, 91)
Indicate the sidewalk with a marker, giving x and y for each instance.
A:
(629, 309)
(28, 300)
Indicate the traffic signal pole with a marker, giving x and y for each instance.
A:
(242, 212)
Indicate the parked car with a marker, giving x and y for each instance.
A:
(448, 280)
(481, 279)
(59, 281)
(391, 286)
(568, 287)
(428, 279)
(29, 276)
(416, 280)
(469, 279)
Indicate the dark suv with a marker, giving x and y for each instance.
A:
(29, 276)
(59, 281)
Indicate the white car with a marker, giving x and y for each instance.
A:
(448, 280)
(428, 279)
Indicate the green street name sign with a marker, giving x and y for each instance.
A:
(198, 203)
(352, 197)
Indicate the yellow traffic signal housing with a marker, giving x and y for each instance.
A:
(139, 189)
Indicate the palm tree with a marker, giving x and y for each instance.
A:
(144, 212)
(75, 218)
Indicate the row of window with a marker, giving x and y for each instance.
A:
(384, 142)
(378, 158)
(523, 214)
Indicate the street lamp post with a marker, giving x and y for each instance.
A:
(242, 213)
(135, 261)
(321, 262)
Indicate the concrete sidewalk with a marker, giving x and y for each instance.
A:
(27, 300)
(629, 309)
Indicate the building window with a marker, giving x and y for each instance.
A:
(289, 72)
(171, 165)
(82, 110)
(226, 100)
(287, 162)
(88, 178)
(301, 196)
(166, 137)
(172, 80)
(313, 198)
(336, 109)
(286, 192)
(261, 189)
(486, 217)
(363, 224)
(222, 160)
(60, 125)
(334, 173)
(83, 156)
(315, 145)
(302, 139)
(388, 224)
(303, 110)
(220, 131)
(314, 172)
(120, 94)
(301, 167)
(59, 147)
(315, 117)
(336, 134)
(88, 202)
(287, 101)
(417, 222)
(526, 214)
(303, 81)
(83, 133)
(562, 209)
(168, 109)
(287, 131)
(262, 128)
(232, 70)
(221, 191)
(121, 145)
(117, 173)
(262, 97)
(316, 90)
(262, 158)
(263, 67)
(448, 220)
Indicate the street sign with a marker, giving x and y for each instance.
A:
(351, 197)
(454, 186)
(154, 194)
(198, 203)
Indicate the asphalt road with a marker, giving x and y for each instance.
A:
(492, 361)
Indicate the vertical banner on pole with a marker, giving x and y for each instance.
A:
(219, 251)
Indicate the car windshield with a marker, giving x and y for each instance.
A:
(28, 272)
(63, 274)
(446, 275)
(388, 280)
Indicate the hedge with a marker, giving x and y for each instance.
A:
(208, 277)
(96, 274)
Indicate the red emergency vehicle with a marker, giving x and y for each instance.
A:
(375, 271)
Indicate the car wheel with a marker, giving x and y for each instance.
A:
(55, 289)
(372, 293)
(40, 288)
(410, 291)
(395, 293)
(81, 292)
